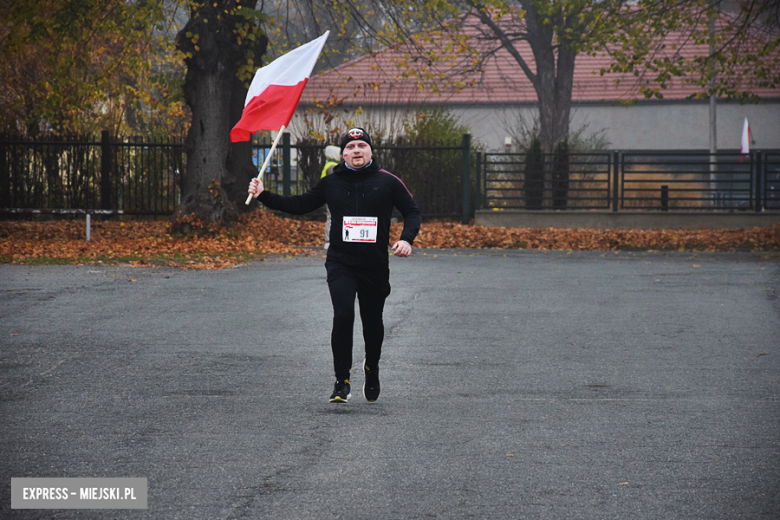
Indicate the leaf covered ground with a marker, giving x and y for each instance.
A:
(146, 243)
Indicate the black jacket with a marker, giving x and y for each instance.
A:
(368, 192)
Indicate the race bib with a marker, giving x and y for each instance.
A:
(359, 229)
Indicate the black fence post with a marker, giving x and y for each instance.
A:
(287, 164)
(105, 170)
(5, 177)
(478, 194)
(615, 176)
(758, 174)
(466, 178)
(664, 198)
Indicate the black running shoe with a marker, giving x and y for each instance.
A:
(341, 392)
(371, 386)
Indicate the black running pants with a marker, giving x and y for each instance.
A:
(371, 286)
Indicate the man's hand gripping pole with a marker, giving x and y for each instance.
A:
(267, 160)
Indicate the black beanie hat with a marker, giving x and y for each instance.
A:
(355, 134)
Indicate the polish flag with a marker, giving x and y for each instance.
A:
(745, 148)
(276, 89)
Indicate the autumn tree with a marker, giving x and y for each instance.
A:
(742, 37)
(556, 31)
(85, 65)
(445, 41)
(222, 44)
(441, 50)
(78, 66)
(647, 38)
(436, 36)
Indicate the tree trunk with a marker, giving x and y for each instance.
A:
(218, 171)
(553, 82)
(553, 76)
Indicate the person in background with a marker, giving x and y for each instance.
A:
(332, 158)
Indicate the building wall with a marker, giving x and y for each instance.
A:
(652, 125)
(646, 126)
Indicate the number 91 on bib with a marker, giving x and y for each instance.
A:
(359, 229)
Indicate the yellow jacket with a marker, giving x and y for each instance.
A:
(328, 164)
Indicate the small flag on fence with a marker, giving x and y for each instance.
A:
(744, 149)
(276, 89)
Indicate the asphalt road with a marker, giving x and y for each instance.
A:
(515, 385)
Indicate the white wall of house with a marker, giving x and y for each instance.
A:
(645, 126)
(656, 125)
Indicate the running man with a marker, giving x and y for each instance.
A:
(361, 197)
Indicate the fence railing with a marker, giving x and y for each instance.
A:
(512, 180)
(432, 172)
(132, 177)
(770, 185)
(653, 180)
(145, 178)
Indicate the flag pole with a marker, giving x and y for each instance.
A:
(267, 160)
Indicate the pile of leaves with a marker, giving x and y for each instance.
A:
(146, 243)
(451, 235)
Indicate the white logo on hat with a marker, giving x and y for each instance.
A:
(355, 133)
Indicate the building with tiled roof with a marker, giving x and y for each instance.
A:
(491, 102)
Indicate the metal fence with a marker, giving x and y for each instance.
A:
(139, 177)
(689, 181)
(770, 187)
(512, 180)
(146, 177)
(131, 176)
(653, 180)
(432, 172)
